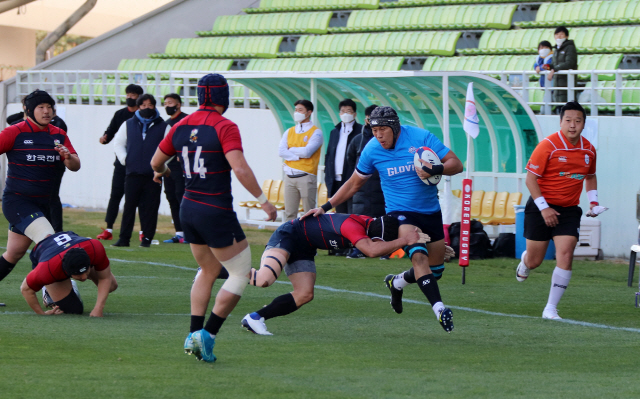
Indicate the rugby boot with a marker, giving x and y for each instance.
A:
(174, 240)
(551, 314)
(396, 294)
(189, 345)
(254, 323)
(446, 319)
(203, 345)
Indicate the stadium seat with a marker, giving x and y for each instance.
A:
(509, 210)
(268, 6)
(273, 193)
(279, 204)
(222, 47)
(279, 23)
(499, 209)
(429, 18)
(327, 64)
(387, 43)
(476, 203)
(487, 204)
(585, 13)
(266, 186)
(456, 193)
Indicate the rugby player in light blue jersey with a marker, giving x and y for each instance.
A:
(414, 203)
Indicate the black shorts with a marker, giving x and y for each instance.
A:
(71, 304)
(285, 238)
(21, 211)
(205, 225)
(429, 224)
(537, 230)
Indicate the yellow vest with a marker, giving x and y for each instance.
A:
(308, 165)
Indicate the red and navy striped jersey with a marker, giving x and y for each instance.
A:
(47, 257)
(332, 231)
(202, 139)
(32, 157)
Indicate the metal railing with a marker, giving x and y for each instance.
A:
(107, 87)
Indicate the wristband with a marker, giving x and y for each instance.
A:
(593, 196)
(327, 207)
(262, 199)
(435, 170)
(541, 203)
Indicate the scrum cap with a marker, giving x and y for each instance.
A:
(213, 89)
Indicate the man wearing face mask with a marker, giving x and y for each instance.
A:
(300, 147)
(119, 172)
(174, 184)
(565, 57)
(336, 168)
(134, 145)
(543, 60)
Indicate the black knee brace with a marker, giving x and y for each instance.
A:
(437, 271)
(416, 248)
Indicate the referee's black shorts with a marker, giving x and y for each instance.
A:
(536, 229)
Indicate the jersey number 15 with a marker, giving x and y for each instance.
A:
(198, 163)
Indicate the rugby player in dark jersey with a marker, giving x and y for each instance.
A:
(59, 258)
(35, 149)
(210, 148)
(292, 248)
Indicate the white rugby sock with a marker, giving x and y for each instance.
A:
(399, 282)
(109, 230)
(559, 282)
(437, 307)
(179, 233)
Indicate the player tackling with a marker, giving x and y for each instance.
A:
(292, 248)
(407, 198)
(555, 174)
(211, 148)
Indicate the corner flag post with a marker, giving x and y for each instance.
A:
(472, 128)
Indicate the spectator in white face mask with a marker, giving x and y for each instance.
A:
(300, 148)
(565, 57)
(543, 60)
(336, 169)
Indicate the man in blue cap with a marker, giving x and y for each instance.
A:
(211, 147)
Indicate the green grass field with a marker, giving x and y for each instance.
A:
(341, 345)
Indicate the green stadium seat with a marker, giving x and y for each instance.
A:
(427, 18)
(286, 23)
(328, 64)
(311, 5)
(586, 13)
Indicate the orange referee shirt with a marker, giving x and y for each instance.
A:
(562, 167)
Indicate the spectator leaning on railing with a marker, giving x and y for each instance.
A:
(543, 60)
(565, 57)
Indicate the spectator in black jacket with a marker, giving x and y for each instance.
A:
(119, 171)
(565, 57)
(336, 169)
(174, 184)
(369, 200)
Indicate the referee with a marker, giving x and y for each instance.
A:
(555, 174)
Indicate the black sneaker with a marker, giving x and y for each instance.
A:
(446, 319)
(145, 243)
(121, 243)
(396, 294)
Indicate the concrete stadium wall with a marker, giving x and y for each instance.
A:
(618, 159)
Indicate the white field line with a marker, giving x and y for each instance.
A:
(374, 295)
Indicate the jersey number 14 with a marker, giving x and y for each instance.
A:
(198, 163)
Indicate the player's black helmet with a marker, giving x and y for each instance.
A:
(36, 98)
(384, 227)
(76, 261)
(386, 116)
(213, 89)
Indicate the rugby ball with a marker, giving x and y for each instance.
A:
(428, 155)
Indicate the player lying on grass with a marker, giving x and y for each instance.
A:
(292, 248)
(56, 260)
(559, 167)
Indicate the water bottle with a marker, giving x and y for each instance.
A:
(155, 242)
